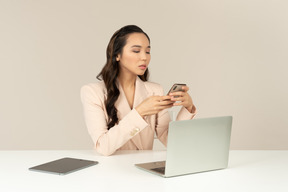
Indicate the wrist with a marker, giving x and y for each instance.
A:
(139, 112)
(191, 109)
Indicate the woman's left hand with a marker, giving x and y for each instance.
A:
(183, 99)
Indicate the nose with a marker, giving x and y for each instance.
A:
(143, 56)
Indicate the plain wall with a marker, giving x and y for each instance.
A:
(232, 54)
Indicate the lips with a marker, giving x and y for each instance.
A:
(142, 66)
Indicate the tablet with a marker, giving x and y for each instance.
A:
(63, 166)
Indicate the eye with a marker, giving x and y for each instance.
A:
(136, 51)
(148, 52)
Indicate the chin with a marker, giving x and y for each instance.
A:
(142, 73)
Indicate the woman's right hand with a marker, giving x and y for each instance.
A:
(154, 104)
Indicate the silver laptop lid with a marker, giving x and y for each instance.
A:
(198, 145)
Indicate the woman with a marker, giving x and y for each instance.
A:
(124, 110)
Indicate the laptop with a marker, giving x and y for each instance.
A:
(194, 146)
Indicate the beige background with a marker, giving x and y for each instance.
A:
(232, 54)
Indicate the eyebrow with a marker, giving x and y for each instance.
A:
(139, 46)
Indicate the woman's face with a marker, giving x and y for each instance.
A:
(135, 55)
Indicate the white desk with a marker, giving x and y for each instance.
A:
(264, 171)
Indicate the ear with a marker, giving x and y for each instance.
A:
(118, 57)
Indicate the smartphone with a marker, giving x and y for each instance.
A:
(176, 87)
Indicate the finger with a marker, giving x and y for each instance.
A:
(165, 106)
(185, 88)
(162, 98)
(177, 96)
(165, 97)
(178, 103)
(178, 93)
(166, 102)
(178, 99)
(160, 108)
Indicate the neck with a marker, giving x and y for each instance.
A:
(127, 81)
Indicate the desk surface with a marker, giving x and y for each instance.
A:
(248, 171)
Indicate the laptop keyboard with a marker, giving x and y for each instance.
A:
(159, 170)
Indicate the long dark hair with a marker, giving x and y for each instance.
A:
(110, 71)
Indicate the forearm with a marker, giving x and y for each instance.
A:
(107, 142)
(185, 114)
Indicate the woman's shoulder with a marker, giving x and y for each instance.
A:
(97, 88)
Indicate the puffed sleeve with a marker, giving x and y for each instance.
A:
(107, 141)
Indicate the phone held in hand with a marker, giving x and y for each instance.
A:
(175, 88)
